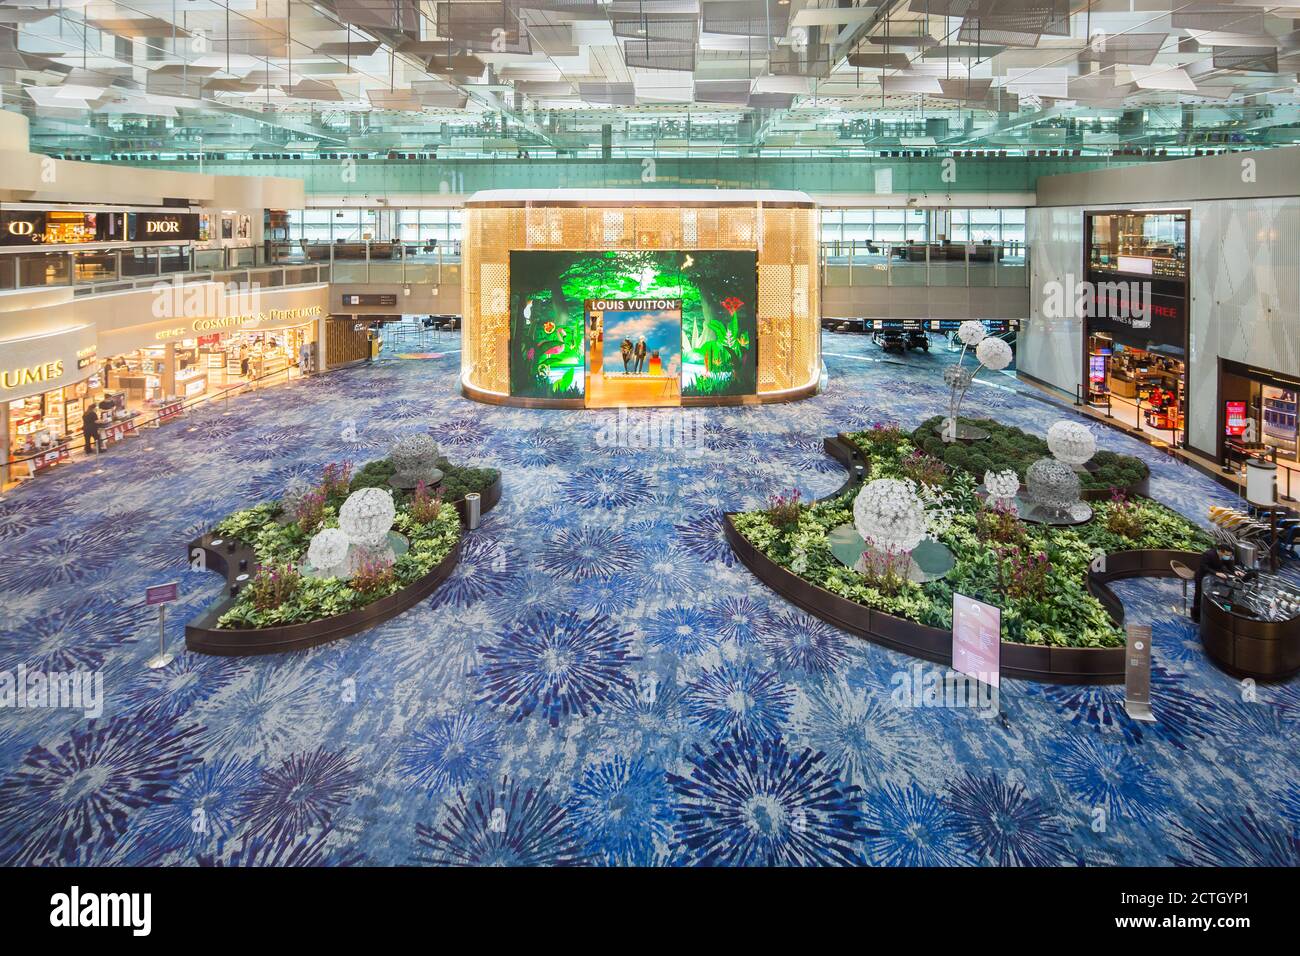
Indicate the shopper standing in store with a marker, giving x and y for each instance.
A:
(90, 429)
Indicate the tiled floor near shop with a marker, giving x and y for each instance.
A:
(769, 736)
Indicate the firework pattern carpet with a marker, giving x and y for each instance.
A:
(600, 681)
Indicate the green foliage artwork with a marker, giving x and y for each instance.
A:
(718, 290)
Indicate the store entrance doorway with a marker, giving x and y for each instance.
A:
(634, 356)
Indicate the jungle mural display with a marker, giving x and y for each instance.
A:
(717, 290)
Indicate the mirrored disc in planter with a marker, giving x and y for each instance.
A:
(931, 560)
(965, 432)
(1078, 513)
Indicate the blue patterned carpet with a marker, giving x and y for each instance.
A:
(694, 719)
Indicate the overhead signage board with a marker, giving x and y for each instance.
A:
(387, 300)
(162, 226)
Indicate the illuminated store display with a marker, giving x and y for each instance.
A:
(646, 327)
(728, 281)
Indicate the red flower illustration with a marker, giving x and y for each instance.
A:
(731, 304)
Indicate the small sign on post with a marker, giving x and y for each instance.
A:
(1137, 673)
(976, 639)
(160, 595)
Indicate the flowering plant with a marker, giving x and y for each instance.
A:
(923, 468)
(1125, 518)
(273, 586)
(886, 571)
(997, 521)
(886, 437)
(309, 510)
(373, 575)
(783, 509)
(336, 478)
(424, 507)
(1023, 573)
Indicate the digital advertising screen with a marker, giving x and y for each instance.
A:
(689, 316)
(1236, 418)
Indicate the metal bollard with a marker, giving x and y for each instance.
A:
(472, 510)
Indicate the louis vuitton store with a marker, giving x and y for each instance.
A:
(611, 297)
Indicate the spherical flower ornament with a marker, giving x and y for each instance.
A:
(971, 332)
(1001, 484)
(993, 353)
(328, 551)
(1071, 442)
(415, 457)
(890, 515)
(956, 376)
(1052, 484)
(367, 516)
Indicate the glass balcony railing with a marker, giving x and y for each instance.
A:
(382, 261)
(980, 264)
(91, 271)
(843, 263)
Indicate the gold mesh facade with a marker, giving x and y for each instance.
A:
(785, 238)
(789, 299)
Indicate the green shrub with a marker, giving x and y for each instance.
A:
(1041, 587)
(1008, 447)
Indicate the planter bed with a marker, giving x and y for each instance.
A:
(281, 539)
(203, 636)
(1052, 660)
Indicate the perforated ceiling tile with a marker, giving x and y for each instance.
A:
(660, 55)
(754, 18)
(1249, 59)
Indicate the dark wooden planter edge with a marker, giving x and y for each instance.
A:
(1057, 665)
(204, 637)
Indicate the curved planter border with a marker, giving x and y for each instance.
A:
(203, 635)
(1056, 665)
(232, 558)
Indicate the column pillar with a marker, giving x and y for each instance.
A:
(4, 444)
(322, 326)
(169, 370)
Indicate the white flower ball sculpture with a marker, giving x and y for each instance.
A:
(415, 457)
(993, 353)
(1052, 484)
(890, 515)
(955, 376)
(1071, 442)
(1001, 485)
(367, 516)
(971, 332)
(328, 552)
